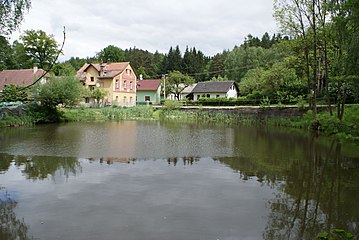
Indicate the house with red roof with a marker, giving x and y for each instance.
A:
(21, 77)
(148, 91)
(117, 79)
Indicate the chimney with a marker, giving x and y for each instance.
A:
(141, 77)
(35, 69)
(102, 69)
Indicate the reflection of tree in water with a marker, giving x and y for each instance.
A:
(315, 192)
(11, 228)
(41, 167)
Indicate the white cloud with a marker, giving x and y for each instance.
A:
(210, 26)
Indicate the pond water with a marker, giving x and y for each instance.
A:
(166, 180)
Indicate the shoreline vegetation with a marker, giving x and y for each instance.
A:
(323, 123)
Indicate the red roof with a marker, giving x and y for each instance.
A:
(148, 84)
(21, 77)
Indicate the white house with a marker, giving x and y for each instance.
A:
(225, 89)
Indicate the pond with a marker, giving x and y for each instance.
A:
(167, 180)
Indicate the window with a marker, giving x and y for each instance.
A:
(124, 100)
(130, 99)
(147, 98)
(116, 99)
(208, 96)
(217, 96)
(124, 84)
(131, 85)
(198, 97)
(92, 79)
(116, 83)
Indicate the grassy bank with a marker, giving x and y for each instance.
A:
(347, 129)
(330, 125)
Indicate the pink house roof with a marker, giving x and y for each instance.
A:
(21, 77)
(148, 85)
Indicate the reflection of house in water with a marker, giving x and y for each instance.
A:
(110, 141)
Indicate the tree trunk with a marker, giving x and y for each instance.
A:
(314, 27)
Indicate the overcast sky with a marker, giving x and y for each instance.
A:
(210, 26)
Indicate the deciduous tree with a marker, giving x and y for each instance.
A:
(42, 48)
(176, 82)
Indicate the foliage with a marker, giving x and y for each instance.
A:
(12, 14)
(243, 58)
(111, 53)
(336, 234)
(7, 55)
(172, 104)
(64, 90)
(42, 48)
(98, 94)
(63, 69)
(176, 82)
(13, 93)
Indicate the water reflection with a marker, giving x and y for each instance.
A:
(187, 172)
(314, 194)
(40, 167)
(11, 227)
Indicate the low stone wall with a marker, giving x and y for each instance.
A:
(283, 112)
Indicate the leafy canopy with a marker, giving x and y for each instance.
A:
(12, 14)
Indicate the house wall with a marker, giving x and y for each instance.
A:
(124, 94)
(154, 96)
(91, 72)
(209, 95)
(232, 93)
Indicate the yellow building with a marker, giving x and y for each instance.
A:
(117, 79)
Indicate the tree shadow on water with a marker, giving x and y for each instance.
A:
(11, 228)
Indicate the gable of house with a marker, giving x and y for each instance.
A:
(22, 77)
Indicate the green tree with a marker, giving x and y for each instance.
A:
(13, 93)
(64, 69)
(111, 53)
(172, 61)
(216, 65)
(64, 90)
(194, 63)
(12, 14)
(144, 62)
(98, 94)
(243, 58)
(42, 48)
(76, 62)
(176, 82)
(7, 60)
(22, 60)
(344, 67)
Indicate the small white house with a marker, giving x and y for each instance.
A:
(225, 89)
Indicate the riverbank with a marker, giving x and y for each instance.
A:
(283, 116)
